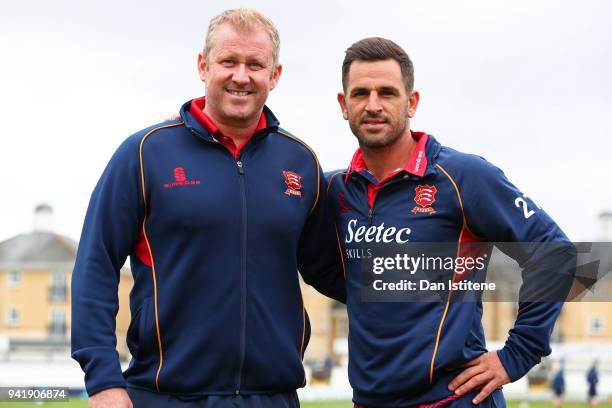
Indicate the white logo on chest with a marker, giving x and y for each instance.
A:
(375, 233)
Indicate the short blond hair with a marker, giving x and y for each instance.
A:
(244, 19)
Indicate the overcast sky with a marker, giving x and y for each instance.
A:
(525, 84)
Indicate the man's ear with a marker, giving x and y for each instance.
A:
(343, 107)
(276, 76)
(202, 66)
(413, 100)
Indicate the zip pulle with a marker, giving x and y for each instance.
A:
(371, 210)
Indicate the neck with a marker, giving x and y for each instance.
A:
(238, 132)
(384, 160)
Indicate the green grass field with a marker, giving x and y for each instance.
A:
(511, 404)
(78, 403)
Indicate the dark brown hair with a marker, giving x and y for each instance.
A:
(378, 49)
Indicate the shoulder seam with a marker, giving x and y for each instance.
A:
(146, 237)
(332, 179)
(142, 140)
(452, 180)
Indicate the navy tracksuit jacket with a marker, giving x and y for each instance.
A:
(404, 353)
(215, 244)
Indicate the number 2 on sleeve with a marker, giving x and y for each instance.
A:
(520, 202)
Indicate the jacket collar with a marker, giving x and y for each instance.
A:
(193, 124)
(420, 163)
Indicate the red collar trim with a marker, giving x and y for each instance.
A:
(197, 111)
(416, 164)
(262, 124)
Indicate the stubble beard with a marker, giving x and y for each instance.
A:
(377, 141)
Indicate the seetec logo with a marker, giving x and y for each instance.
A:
(375, 233)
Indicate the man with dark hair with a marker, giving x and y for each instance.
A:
(376, 49)
(217, 209)
(404, 354)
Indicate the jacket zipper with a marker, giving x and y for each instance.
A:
(242, 274)
(370, 214)
(371, 209)
(243, 283)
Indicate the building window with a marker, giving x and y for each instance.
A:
(14, 279)
(58, 289)
(339, 320)
(59, 278)
(57, 327)
(341, 326)
(596, 326)
(13, 317)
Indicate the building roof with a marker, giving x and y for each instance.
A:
(43, 207)
(38, 246)
(41, 247)
(605, 214)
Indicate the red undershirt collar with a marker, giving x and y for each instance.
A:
(416, 164)
(197, 111)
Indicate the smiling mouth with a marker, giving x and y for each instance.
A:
(238, 93)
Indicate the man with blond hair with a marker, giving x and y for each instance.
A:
(217, 209)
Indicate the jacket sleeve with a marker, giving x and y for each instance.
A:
(498, 212)
(110, 231)
(319, 258)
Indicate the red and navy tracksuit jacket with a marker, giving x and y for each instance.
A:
(215, 243)
(401, 354)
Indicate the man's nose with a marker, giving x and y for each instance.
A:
(240, 75)
(373, 103)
